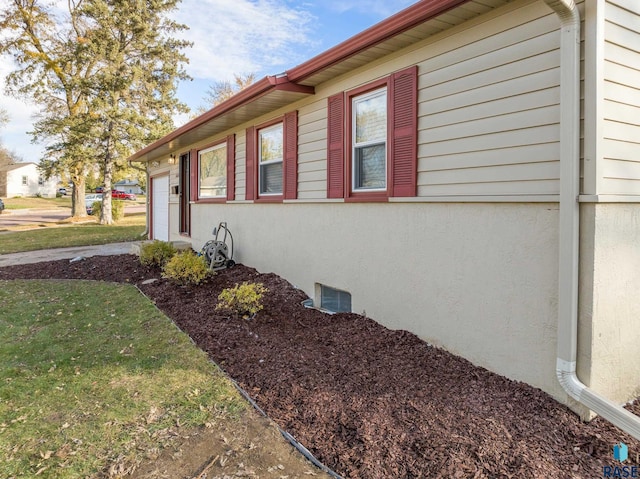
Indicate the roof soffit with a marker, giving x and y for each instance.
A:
(357, 52)
(412, 25)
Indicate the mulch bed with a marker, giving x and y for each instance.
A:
(367, 401)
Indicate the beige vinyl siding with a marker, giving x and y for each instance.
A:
(621, 107)
(241, 149)
(312, 151)
(489, 110)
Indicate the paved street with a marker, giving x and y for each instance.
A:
(33, 217)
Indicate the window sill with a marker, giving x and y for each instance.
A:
(269, 199)
(211, 200)
(367, 197)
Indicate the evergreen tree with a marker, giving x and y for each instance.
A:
(133, 93)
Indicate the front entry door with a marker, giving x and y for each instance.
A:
(184, 193)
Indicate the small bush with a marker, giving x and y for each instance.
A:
(243, 300)
(156, 253)
(186, 268)
(96, 208)
(117, 209)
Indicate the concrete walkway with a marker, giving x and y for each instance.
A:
(69, 253)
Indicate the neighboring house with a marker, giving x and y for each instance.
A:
(128, 186)
(25, 179)
(426, 171)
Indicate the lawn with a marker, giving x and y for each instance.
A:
(128, 229)
(93, 376)
(37, 203)
(34, 202)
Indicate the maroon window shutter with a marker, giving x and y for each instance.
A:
(290, 160)
(404, 137)
(335, 147)
(194, 172)
(250, 168)
(231, 167)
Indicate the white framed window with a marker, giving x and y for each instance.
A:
(212, 172)
(40, 181)
(369, 141)
(25, 180)
(270, 157)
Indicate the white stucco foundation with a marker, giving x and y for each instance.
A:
(479, 280)
(609, 351)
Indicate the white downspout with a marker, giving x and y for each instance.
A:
(569, 238)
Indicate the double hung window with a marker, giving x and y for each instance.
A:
(270, 159)
(369, 154)
(372, 152)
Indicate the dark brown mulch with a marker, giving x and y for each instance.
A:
(367, 401)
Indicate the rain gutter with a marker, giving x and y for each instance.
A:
(569, 234)
(257, 90)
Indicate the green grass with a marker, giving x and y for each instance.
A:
(128, 229)
(39, 203)
(50, 203)
(93, 376)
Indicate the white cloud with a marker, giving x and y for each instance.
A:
(243, 36)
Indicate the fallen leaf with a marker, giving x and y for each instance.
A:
(46, 455)
(63, 451)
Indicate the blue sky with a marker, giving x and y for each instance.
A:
(235, 36)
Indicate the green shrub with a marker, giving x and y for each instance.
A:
(243, 300)
(156, 253)
(186, 268)
(117, 209)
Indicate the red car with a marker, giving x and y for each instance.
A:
(121, 195)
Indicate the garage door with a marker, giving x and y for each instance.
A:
(160, 208)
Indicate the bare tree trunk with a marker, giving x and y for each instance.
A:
(106, 216)
(78, 206)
